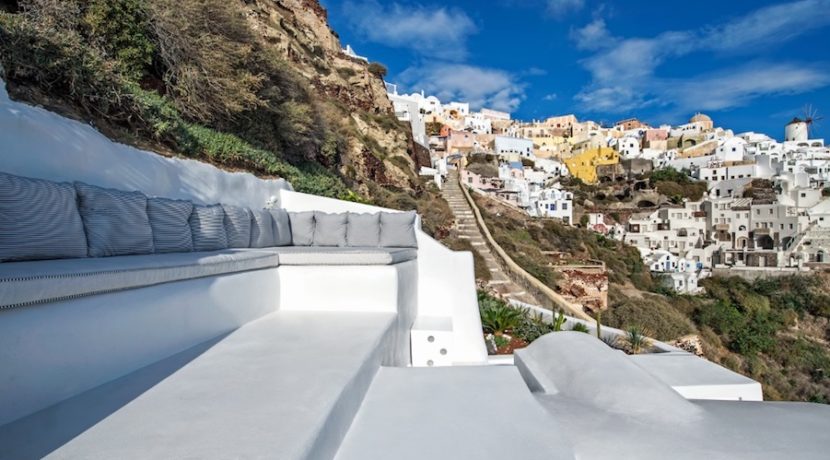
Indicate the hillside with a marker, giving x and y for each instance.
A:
(259, 85)
(775, 330)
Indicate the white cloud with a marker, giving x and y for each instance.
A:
(481, 87)
(624, 70)
(735, 87)
(594, 35)
(559, 8)
(768, 26)
(535, 72)
(550, 97)
(436, 32)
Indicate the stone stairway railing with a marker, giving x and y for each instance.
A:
(520, 273)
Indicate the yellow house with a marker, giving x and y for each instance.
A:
(584, 165)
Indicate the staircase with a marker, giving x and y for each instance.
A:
(465, 223)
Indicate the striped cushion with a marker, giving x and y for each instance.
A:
(169, 220)
(39, 220)
(262, 229)
(363, 230)
(207, 223)
(397, 230)
(302, 228)
(330, 229)
(237, 226)
(282, 227)
(116, 222)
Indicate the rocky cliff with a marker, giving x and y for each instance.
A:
(253, 84)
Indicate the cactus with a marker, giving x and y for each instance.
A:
(558, 321)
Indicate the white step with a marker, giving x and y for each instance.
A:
(452, 413)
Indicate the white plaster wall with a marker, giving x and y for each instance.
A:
(54, 351)
(446, 279)
(37, 143)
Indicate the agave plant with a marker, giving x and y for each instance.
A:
(498, 317)
(636, 340)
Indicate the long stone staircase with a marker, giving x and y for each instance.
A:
(465, 223)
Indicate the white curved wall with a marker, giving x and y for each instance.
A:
(42, 144)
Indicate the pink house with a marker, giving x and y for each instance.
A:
(460, 142)
(477, 181)
(656, 135)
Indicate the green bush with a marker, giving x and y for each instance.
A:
(653, 313)
(122, 29)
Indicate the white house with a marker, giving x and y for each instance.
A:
(555, 203)
(505, 146)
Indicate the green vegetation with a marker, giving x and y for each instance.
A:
(497, 317)
(579, 327)
(635, 340)
(677, 185)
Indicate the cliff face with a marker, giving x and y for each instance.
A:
(299, 29)
(246, 84)
(380, 150)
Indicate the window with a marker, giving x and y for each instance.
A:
(564, 206)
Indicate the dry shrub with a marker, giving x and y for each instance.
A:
(205, 46)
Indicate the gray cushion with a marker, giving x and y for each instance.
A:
(363, 230)
(27, 283)
(237, 226)
(39, 220)
(207, 223)
(282, 227)
(262, 229)
(170, 221)
(330, 229)
(302, 228)
(115, 221)
(319, 255)
(397, 229)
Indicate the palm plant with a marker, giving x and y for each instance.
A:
(636, 340)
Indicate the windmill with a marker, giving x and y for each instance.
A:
(811, 119)
(801, 129)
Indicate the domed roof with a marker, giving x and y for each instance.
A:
(700, 117)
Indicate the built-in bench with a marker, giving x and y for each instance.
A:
(285, 386)
(33, 282)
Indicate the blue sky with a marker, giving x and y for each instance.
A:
(751, 65)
